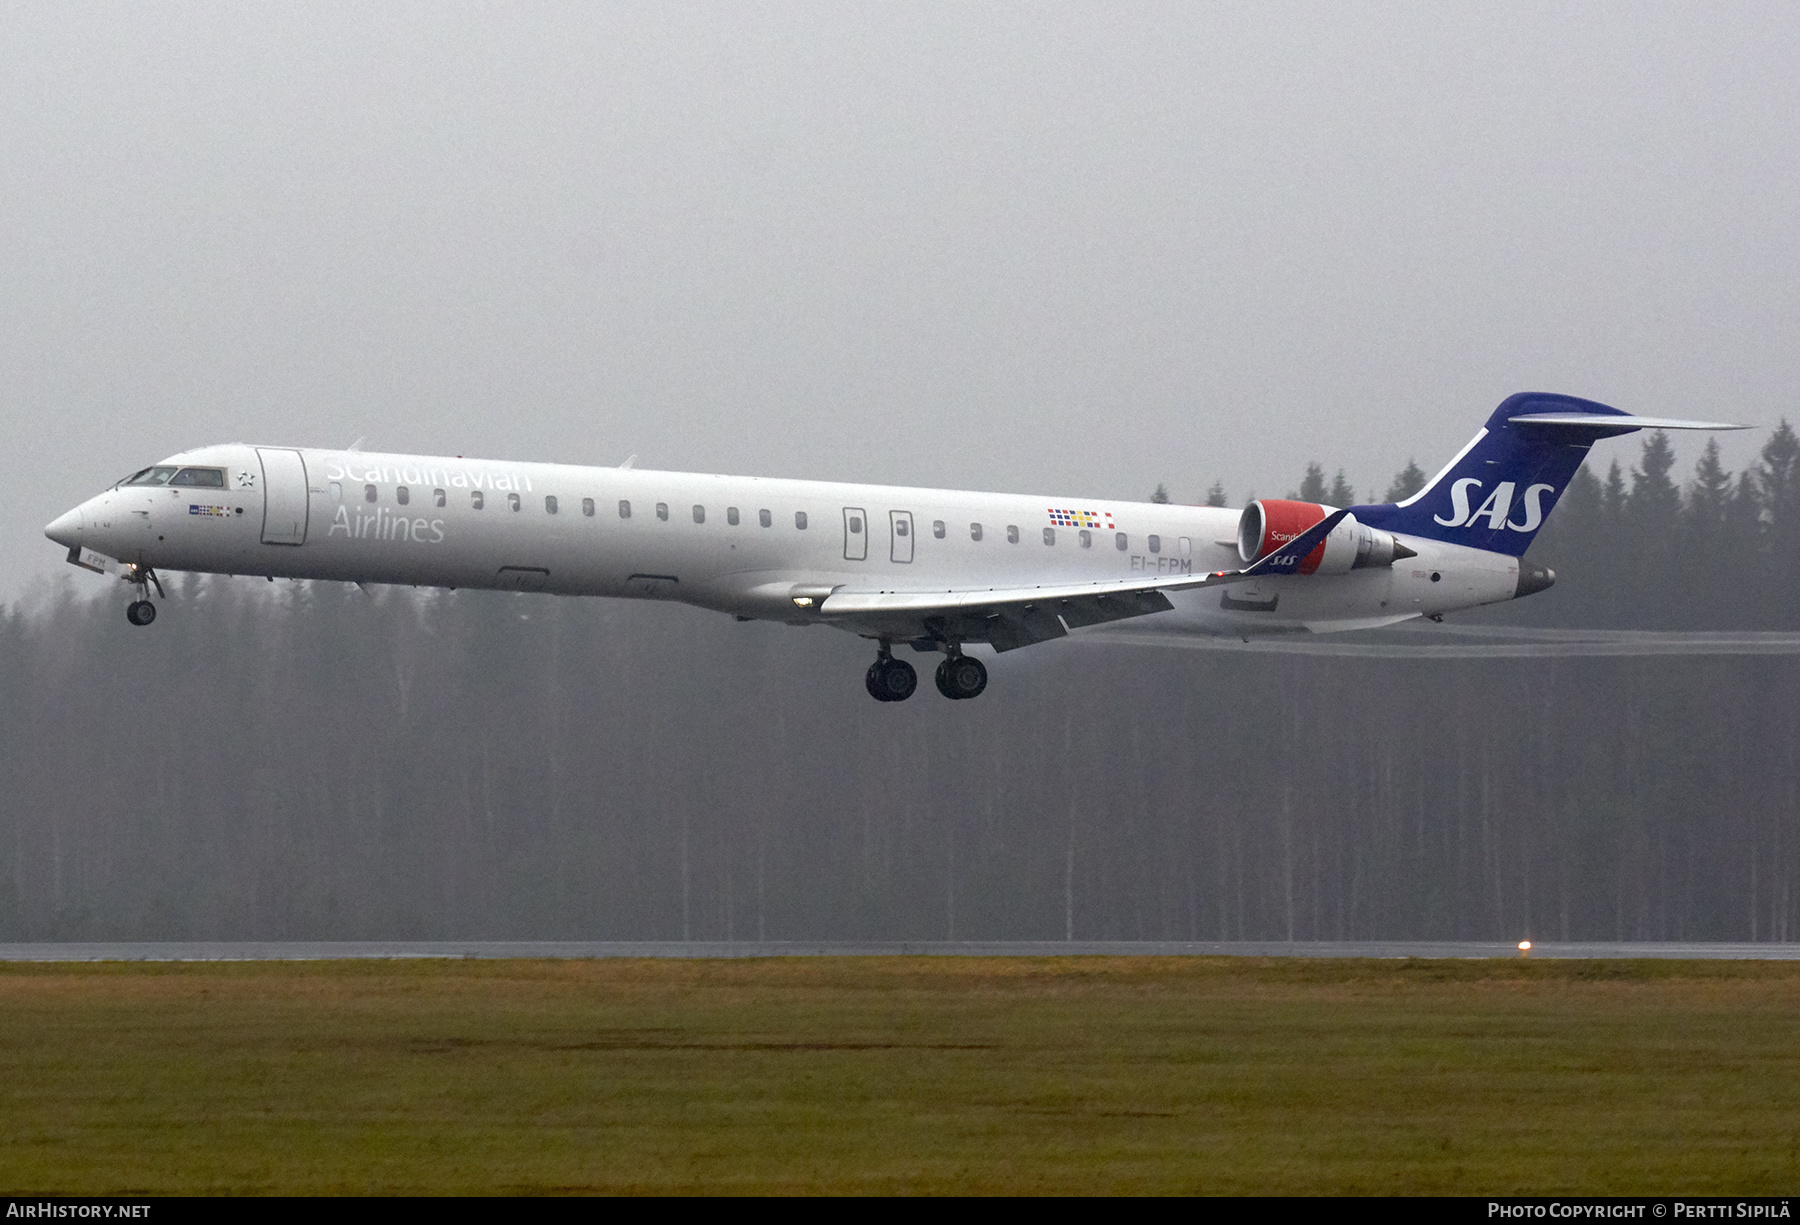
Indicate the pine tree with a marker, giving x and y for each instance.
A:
(1703, 528)
(1653, 525)
(1312, 487)
(1215, 496)
(1778, 485)
(1778, 476)
(1612, 496)
(1340, 493)
(1654, 498)
(1708, 497)
(1408, 481)
(1161, 496)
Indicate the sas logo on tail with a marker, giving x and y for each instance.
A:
(1497, 507)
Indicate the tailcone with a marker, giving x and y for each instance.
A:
(1534, 578)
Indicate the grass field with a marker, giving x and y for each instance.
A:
(1155, 1074)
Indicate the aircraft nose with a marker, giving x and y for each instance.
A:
(66, 529)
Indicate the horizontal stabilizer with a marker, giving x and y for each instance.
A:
(1619, 423)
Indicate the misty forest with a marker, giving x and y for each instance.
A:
(310, 761)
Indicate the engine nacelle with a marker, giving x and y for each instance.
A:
(1269, 523)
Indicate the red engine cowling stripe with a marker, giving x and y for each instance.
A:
(1283, 520)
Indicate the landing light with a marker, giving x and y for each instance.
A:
(1524, 948)
(803, 601)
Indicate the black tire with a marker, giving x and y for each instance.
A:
(962, 678)
(942, 677)
(896, 679)
(140, 612)
(872, 682)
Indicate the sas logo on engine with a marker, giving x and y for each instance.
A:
(219, 511)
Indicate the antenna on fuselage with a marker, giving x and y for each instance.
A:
(357, 445)
(630, 460)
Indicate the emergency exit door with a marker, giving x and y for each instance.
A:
(900, 532)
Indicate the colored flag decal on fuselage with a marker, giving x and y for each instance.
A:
(1081, 518)
(206, 510)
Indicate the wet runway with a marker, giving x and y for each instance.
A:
(376, 950)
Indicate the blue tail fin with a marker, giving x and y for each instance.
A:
(1499, 489)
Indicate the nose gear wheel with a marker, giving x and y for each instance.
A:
(141, 611)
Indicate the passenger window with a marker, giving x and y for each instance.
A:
(699, 513)
(662, 511)
(624, 509)
(899, 527)
(855, 524)
(731, 515)
(937, 528)
(1049, 535)
(512, 501)
(1121, 542)
(1156, 544)
(476, 501)
(1012, 533)
(549, 504)
(587, 507)
(204, 478)
(974, 531)
(765, 518)
(800, 519)
(1183, 547)
(369, 494)
(442, 498)
(1086, 537)
(402, 494)
(337, 492)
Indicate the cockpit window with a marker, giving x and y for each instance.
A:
(208, 478)
(149, 476)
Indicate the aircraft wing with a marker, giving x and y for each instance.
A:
(1011, 617)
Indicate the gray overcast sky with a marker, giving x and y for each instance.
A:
(1058, 248)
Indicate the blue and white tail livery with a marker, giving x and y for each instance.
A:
(1499, 489)
(958, 569)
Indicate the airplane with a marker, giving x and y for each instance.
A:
(934, 569)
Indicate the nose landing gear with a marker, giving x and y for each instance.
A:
(141, 611)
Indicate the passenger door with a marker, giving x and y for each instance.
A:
(284, 496)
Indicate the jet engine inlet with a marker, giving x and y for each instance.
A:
(1269, 523)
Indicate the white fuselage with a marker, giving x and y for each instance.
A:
(740, 545)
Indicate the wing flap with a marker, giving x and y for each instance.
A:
(1013, 617)
(843, 602)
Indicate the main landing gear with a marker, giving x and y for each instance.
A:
(890, 679)
(960, 677)
(141, 611)
(893, 680)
